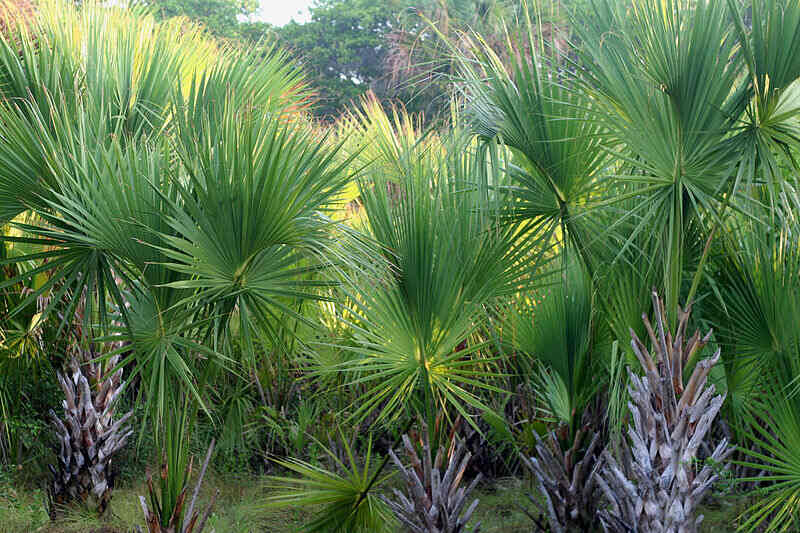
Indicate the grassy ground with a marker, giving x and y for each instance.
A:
(239, 509)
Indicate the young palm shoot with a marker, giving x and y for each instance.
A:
(345, 492)
(167, 512)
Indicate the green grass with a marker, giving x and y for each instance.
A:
(498, 510)
(239, 509)
(721, 513)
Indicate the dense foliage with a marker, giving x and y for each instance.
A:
(395, 49)
(183, 240)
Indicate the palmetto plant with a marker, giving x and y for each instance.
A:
(758, 305)
(177, 214)
(758, 300)
(687, 144)
(420, 336)
(671, 122)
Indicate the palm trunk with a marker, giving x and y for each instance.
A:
(655, 487)
(433, 502)
(567, 483)
(87, 433)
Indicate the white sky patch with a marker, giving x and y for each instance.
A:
(280, 12)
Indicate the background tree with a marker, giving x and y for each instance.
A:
(344, 49)
(220, 17)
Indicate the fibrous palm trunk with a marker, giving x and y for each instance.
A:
(656, 487)
(567, 483)
(434, 502)
(88, 435)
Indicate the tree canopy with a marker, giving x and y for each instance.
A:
(220, 17)
(344, 48)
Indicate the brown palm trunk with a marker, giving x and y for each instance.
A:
(657, 484)
(433, 502)
(88, 435)
(567, 482)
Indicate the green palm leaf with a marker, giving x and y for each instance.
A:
(343, 493)
(422, 337)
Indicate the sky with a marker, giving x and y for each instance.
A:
(279, 12)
